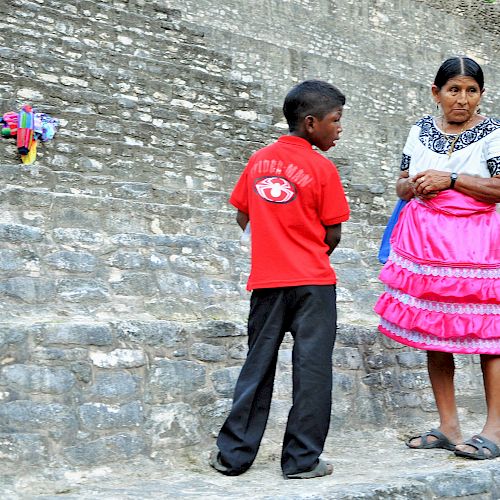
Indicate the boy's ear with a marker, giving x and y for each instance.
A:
(309, 122)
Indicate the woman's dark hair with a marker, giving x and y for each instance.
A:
(459, 66)
(311, 97)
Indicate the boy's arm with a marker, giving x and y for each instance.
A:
(242, 219)
(332, 237)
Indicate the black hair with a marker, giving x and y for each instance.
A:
(311, 97)
(459, 66)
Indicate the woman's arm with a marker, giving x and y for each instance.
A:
(479, 188)
(404, 186)
(487, 190)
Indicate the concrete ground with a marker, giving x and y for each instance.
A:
(367, 466)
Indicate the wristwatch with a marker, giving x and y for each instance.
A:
(453, 178)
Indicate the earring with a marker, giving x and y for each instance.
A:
(478, 111)
(437, 106)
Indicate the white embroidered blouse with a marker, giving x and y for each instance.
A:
(476, 151)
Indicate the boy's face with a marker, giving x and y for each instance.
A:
(326, 132)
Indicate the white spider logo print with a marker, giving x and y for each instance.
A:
(275, 189)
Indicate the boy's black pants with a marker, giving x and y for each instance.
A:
(309, 313)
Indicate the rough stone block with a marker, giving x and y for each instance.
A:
(174, 426)
(342, 384)
(75, 333)
(20, 233)
(214, 329)
(132, 240)
(20, 449)
(495, 490)
(347, 357)
(404, 399)
(344, 256)
(381, 492)
(238, 351)
(460, 484)
(58, 354)
(217, 289)
(118, 358)
(284, 357)
(214, 414)
(56, 420)
(368, 408)
(414, 380)
(29, 289)
(171, 379)
(354, 335)
(10, 260)
(224, 380)
(208, 352)
(177, 284)
(16, 334)
(78, 237)
(72, 261)
(413, 359)
(380, 380)
(127, 260)
(152, 333)
(104, 416)
(82, 371)
(380, 360)
(82, 290)
(135, 284)
(30, 378)
(115, 385)
(390, 344)
(107, 449)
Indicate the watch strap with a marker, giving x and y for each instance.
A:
(453, 179)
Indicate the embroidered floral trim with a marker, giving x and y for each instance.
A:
(469, 342)
(436, 141)
(444, 271)
(444, 307)
(405, 162)
(493, 165)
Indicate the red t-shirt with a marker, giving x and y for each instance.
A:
(290, 192)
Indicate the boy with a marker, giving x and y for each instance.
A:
(294, 199)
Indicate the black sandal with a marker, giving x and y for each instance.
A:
(441, 441)
(480, 443)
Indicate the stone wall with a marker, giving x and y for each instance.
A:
(122, 279)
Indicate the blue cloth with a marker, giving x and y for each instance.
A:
(385, 245)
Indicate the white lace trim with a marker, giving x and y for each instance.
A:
(430, 340)
(445, 271)
(444, 307)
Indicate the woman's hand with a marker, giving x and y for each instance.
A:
(429, 183)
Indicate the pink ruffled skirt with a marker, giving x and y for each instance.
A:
(442, 279)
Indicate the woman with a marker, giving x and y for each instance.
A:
(442, 278)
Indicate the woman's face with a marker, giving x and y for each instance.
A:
(459, 98)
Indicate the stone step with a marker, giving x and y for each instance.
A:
(86, 390)
(140, 255)
(379, 468)
(159, 83)
(76, 32)
(100, 256)
(159, 190)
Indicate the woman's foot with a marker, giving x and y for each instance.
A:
(441, 437)
(474, 447)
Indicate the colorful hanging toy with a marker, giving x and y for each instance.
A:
(28, 127)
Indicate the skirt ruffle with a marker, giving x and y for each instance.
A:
(443, 276)
(433, 318)
(441, 288)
